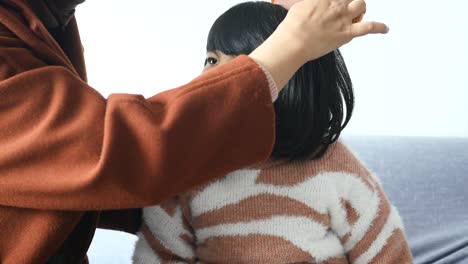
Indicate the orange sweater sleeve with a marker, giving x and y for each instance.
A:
(65, 147)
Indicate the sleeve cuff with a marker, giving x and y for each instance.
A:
(271, 83)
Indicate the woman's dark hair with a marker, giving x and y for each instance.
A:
(316, 104)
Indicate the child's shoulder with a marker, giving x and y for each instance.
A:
(337, 167)
(338, 160)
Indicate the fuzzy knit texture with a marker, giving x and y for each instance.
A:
(72, 160)
(330, 210)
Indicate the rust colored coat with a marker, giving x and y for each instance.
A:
(71, 160)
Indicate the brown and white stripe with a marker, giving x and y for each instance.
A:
(331, 210)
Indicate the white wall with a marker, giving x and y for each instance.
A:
(410, 82)
(413, 81)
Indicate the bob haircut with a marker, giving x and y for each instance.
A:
(315, 105)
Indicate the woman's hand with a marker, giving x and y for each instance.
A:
(289, 3)
(312, 29)
(320, 26)
(286, 3)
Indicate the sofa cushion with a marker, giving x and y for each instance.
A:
(427, 180)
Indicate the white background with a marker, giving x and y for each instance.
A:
(412, 82)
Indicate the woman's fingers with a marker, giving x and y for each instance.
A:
(313, 28)
(285, 3)
(356, 10)
(358, 19)
(346, 2)
(365, 28)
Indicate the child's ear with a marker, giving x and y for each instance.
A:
(286, 3)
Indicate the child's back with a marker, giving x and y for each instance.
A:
(330, 210)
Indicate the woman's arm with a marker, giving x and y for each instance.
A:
(65, 147)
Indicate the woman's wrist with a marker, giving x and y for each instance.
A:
(281, 56)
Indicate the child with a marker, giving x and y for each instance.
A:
(313, 202)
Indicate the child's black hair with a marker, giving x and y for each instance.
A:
(316, 104)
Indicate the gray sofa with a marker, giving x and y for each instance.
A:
(426, 179)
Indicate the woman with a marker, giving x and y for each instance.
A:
(313, 202)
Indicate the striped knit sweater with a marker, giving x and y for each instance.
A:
(330, 210)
